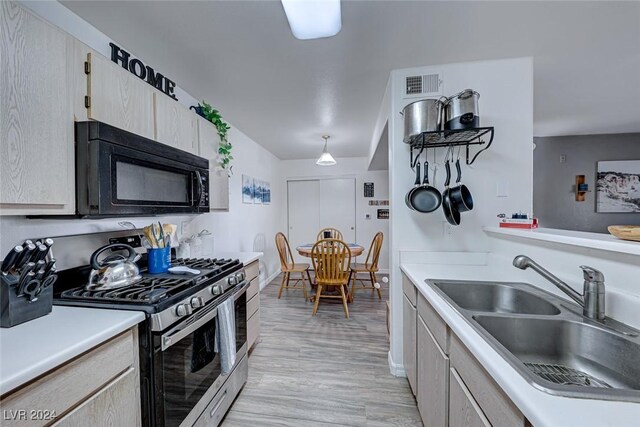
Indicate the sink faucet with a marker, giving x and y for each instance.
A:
(592, 298)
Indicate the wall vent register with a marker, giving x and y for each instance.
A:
(424, 85)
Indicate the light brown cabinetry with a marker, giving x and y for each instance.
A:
(94, 386)
(252, 272)
(119, 98)
(409, 347)
(218, 178)
(464, 411)
(36, 118)
(174, 124)
(433, 379)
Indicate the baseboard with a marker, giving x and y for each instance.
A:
(269, 279)
(397, 369)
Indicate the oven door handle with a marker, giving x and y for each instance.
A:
(176, 334)
(245, 285)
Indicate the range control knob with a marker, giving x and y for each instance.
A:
(232, 280)
(196, 302)
(240, 276)
(216, 289)
(183, 310)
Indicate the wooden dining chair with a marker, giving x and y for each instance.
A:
(370, 268)
(288, 266)
(334, 233)
(331, 259)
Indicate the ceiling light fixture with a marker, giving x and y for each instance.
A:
(326, 159)
(313, 19)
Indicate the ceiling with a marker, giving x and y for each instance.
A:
(286, 93)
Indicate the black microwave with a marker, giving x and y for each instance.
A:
(119, 173)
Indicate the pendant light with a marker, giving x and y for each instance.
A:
(326, 159)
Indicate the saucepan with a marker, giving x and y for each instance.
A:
(460, 194)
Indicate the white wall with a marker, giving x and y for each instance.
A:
(506, 102)
(234, 230)
(351, 167)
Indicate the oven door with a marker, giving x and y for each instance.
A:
(187, 367)
(131, 182)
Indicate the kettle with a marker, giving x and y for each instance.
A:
(115, 270)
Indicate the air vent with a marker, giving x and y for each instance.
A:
(423, 85)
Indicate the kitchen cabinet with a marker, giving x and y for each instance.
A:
(464, 411)
(99, 387)
(433, 379)
(174, 124)
(209, 140)
(409, 342)
(252, 272)
(36, 118)
(119, 98)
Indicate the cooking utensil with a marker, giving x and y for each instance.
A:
(25, 256)
(416, 184)
(625, 232)
(161, 232)
(115, 270)
(450, 210)
(460, 194)
(11, 258)
(425, 198)
(461, 111)
(40, 253)
(422, 116)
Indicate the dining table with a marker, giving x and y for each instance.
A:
(355, 250)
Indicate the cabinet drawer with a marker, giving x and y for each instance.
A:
(433, 379)
(409, 289)
(464, 411)
(253, 329)
(72, 383)
(434, 322)
(253, 305)
(409, 318)
(495, 404)
(117, 404)
(253, 289)
(252, 270)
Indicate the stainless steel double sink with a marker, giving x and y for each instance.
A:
(548, 341)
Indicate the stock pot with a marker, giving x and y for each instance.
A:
(422, 116)
(461, 111)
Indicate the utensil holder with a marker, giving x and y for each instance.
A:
(159, 260)
(16, 309)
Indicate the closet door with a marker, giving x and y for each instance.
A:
(338, 206)
(303, 200)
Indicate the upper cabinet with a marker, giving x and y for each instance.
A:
(218, 178)
(175, 125)
(36, 115)
(119, 98)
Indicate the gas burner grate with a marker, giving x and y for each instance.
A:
(148, 290)
(559, 374)
(215, 264)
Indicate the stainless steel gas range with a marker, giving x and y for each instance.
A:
(182, 378)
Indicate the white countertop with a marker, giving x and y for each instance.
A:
(245, 257)
(33, 348)
(540, 408)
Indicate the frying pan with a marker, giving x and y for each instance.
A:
(460, 194)
(407, 198)
(450, 210)
(425, 198)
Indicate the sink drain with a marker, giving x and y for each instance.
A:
(559, 374)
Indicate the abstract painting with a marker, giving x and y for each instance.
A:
(247, 189)
(618, 186)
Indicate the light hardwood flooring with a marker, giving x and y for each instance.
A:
(322, 371)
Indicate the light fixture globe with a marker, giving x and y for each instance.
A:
(326, 159)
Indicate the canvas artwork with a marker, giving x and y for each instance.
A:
(618, 186)
(257, 191)
(247, 189)
(266, 196)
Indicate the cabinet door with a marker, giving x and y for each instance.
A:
(433, 379)
(253, 327)
(463, 408)
(36, 118)
(218, 178)
(119, 98)
(175, 125)
(409, 342)
(117, 404)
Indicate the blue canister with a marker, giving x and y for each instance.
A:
(159, 260)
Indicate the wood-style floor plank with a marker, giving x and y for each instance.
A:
(322, 371)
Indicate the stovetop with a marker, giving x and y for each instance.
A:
(152, 294)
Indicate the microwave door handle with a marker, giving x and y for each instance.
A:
(198, 179)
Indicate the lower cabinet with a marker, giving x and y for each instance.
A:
(433, 379)
(252, 272)
(464, 411)
(409, 342)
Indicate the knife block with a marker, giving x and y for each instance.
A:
(15, 309)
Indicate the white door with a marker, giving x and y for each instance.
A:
(338, 206)
(304, 214)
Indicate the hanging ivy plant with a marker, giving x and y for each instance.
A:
(224, 149)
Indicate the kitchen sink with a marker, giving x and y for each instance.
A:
(548, 341)
(495, 298)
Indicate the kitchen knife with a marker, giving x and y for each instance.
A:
(39, 268)
(25, 256)
(27, 243)
(24, 279)
(50, 266)
(11, 258)
(40, 253)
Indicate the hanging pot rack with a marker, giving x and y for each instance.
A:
(452, 138)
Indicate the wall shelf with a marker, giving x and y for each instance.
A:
(454, 138)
